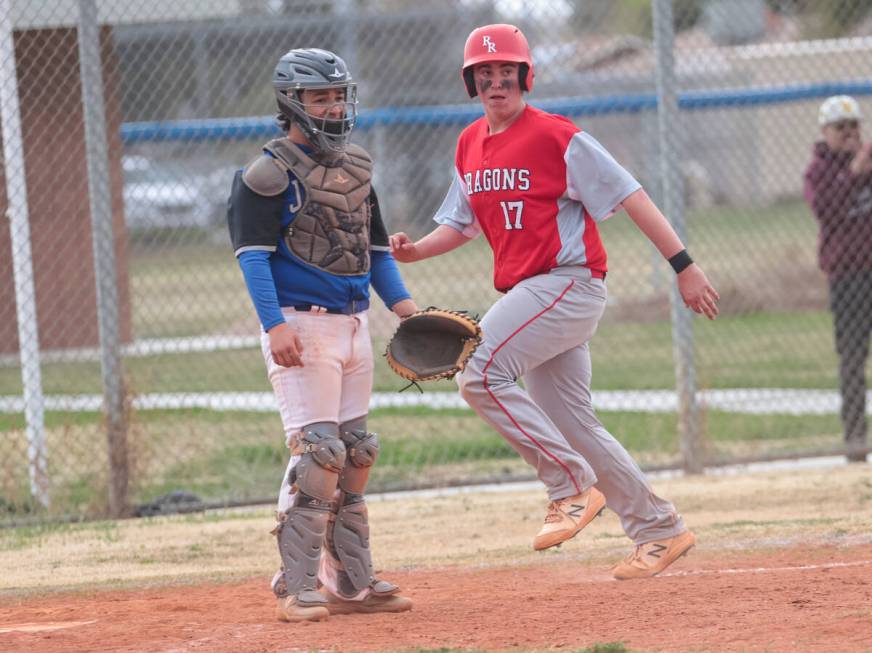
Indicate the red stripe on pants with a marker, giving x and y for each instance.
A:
(503, 408)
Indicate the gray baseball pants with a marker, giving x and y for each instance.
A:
(539, 331)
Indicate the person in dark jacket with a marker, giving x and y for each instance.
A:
(838, 188)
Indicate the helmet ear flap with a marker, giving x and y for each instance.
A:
(469, 80)
(525, 77)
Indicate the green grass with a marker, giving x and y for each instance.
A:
(780, 350)
(186, 289)
(764, 349)
(237, 456)
(12, 539)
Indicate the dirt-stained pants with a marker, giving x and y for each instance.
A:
(334, 386)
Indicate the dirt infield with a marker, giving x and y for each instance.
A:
(796, 599)
(783, 563)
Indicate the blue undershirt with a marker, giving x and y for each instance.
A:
(278, 278)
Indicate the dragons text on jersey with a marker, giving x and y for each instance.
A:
(482, 181)
(536, 191)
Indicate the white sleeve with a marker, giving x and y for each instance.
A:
(594, 178)
(456, 211)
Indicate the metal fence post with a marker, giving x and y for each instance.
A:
(673, 203)
(22, 261)
(104, 255)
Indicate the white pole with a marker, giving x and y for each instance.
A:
(22, 260)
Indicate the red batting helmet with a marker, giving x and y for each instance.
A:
(497, 43)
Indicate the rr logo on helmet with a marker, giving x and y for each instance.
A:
(481, 47)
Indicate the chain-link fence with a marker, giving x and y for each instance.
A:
(130, 371)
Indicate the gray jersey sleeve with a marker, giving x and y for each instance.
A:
(594, 178)
(456, 211)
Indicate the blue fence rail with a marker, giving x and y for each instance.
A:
(264, 126)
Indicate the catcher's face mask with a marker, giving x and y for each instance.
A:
(326, 115)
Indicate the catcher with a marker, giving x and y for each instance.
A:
(306, 227)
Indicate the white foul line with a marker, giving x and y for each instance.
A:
(40, 628)
(763, 570)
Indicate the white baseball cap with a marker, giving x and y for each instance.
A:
(839, 107)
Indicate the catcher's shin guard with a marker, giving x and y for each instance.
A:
(302, 528)
(348, 532)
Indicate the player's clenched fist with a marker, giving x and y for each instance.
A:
(439, 241)
(402, 248)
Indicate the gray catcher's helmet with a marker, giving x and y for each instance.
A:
(311, 68)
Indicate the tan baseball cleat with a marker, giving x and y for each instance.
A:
(372, 603)
(566, 517)
(290, 609)
(651, 558)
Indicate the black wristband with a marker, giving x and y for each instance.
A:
(680, 261)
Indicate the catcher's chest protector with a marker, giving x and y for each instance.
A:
(331, 231)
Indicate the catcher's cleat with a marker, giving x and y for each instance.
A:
(566, 517)
(651, 558)
(372, 603)
(289, 608)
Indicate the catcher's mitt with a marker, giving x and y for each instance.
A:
(433, 344)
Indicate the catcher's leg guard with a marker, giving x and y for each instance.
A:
(302, 528)
(348, 532)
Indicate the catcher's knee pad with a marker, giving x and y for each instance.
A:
(322, 458)
(303, 527)
(361, 449)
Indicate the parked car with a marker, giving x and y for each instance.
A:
(159, 196)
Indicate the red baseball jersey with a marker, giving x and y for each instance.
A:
(536, 191)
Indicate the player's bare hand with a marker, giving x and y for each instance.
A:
(405, 308)
(402, 248)
(285, 346)
(696, 291)
(862, 161)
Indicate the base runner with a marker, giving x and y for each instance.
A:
(537, 187)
